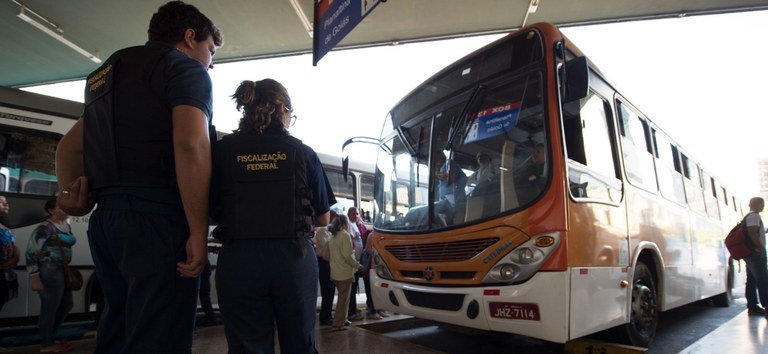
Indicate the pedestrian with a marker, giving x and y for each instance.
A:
(211, 318)
(142, 150)
(48, 250)
(757, 267)
(356, 221)
(269, 190)
(343, 268)
(327, 288)
(357, 244)
(9, 257)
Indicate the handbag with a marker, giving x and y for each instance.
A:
(73, 279)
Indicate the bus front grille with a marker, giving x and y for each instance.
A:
(448, 302)
(441, 252)
(443, 274)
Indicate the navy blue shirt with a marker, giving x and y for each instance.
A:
(183, 81)
(318, 183)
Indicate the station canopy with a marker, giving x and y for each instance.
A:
(269, 28)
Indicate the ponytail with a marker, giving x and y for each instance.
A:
(262, 103)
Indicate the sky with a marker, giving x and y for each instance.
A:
(702, 79)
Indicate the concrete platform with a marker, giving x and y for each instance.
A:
(212, 340)
(743, 334)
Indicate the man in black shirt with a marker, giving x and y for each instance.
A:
(142, 147)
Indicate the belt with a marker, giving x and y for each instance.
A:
(134, 203)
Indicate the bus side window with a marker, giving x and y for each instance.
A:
(638, 156)
(591, 149)
(693, 190)
(668, 169)
(344, 191)
(710, 195)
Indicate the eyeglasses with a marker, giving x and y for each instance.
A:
(293, 120)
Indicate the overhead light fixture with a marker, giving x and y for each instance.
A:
(302, 16)
(56, 32)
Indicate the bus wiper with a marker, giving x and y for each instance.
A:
(401, 132)
(459, 124)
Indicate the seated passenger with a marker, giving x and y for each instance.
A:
(486, 173)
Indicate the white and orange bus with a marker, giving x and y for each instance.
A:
(562, 209)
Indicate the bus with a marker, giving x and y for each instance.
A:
(518, 191)
(31, 126)
(356, 190)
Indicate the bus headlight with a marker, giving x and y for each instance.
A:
(506, 271)
(522, 263)
(526, 255)
(381, 268)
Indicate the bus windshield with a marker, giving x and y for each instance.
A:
(472, 156)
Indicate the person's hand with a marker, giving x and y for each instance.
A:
(197, 255)
(75, 199)
(36, 283)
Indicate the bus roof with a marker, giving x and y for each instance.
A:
(269, 28)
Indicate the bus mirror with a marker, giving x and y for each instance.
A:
(345, 168)
(576, 79)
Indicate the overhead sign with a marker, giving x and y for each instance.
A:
(334, 19)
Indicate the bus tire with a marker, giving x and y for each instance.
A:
(726, 299)
(644, 310)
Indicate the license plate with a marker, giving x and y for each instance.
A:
(514, 311)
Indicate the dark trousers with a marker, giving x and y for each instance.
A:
(757, 281)
(135, 244)
(327, 289)
(266, 282)
(369, 296)
(205, 290)
(353, 296)
(55, 302)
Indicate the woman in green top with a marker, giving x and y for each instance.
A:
(46, 270)
(343, 268)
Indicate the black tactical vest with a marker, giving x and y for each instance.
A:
(263, 187)
(128, 131)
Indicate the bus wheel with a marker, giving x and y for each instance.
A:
(726, 299)
(644, 314)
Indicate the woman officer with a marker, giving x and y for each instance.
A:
(268, 190)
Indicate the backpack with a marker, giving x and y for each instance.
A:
(738, 243)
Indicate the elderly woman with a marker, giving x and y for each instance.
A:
(49, 247)
(268, 191)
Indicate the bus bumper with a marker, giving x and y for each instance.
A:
(537, 308)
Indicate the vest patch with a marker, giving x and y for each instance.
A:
(260, 162)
